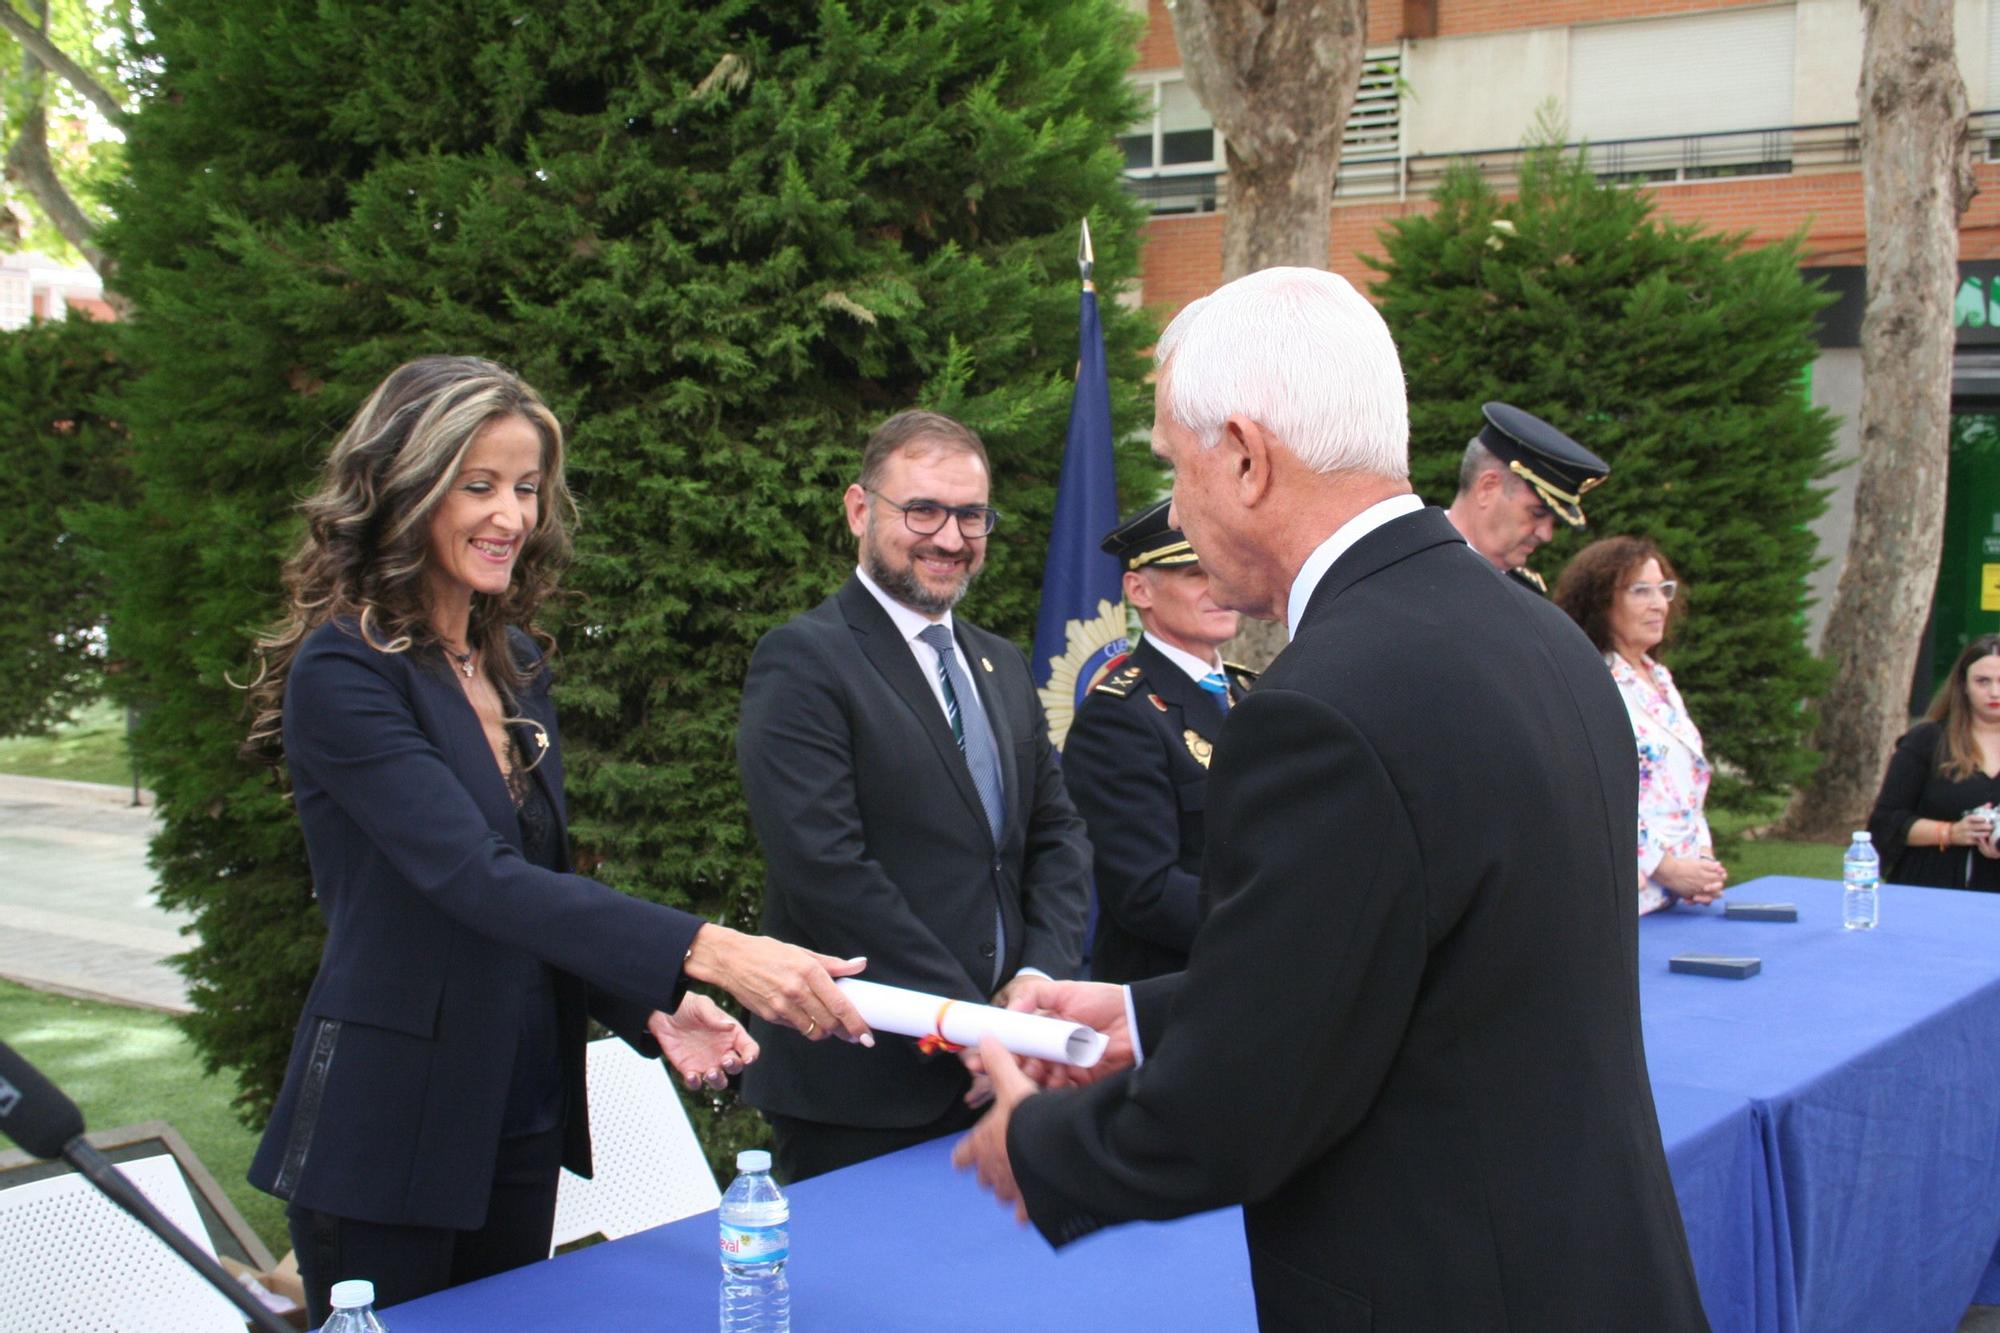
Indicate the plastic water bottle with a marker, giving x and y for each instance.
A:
(1861, 876)
(353, 1309)
(756, 1239)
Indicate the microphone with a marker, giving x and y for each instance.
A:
(32, 1112)
(37, 1116)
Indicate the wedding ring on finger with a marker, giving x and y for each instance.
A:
(812, 1026)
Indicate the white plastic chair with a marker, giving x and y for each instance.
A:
(649, 1168)
(78, 1263)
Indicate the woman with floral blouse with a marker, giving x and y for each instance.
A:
(1621, 591)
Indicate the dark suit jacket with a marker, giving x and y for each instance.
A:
(875, 843)
(391, 1106)
(1136, 762)
(1407, 1040)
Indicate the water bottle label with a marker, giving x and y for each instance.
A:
(755, 1245)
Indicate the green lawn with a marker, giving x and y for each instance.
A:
(1749, 859)
(123, 1066)
(90, 749)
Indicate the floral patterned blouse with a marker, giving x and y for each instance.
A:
(1673, 773)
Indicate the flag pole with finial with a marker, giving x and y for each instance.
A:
(1080, 627)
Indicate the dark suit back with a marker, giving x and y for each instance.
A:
(392, 1102)
(1424, 909)
(875, 844)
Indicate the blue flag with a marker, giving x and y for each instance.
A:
(1081, 627)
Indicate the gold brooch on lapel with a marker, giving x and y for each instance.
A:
(987, 662)
(1197, 746)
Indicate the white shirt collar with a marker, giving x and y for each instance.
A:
(1334, 547)
(1186, 661)
(909, 623)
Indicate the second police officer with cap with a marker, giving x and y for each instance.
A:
(1136, 759)
(1519, 476)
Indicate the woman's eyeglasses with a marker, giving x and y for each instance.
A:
(1641, 592)
(926, 517)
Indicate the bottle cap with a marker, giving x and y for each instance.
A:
(353, 1294)
(753, 1159)
(1864, 837)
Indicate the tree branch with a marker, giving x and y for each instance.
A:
(29, 164)
(76, 76)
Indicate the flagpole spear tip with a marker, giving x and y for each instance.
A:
(1086, 259)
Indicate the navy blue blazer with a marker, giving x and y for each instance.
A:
(391, 1105)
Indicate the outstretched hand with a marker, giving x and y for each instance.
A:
(702, 1042)
(779, 982)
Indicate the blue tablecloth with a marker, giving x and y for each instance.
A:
(1871, 1061)
(1832, 1125)
(900, 1243)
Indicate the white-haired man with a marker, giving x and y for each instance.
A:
(1407, 1041)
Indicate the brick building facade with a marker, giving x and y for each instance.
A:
(1738, 115)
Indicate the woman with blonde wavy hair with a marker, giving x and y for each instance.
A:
(436, 1082)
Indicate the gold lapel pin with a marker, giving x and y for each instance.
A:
(987, 662)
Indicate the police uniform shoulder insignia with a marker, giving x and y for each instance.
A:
(1119, 683)
(1240, 676)
(1198, 746)
(1532, 579)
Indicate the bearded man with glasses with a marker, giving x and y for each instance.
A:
(907, 799)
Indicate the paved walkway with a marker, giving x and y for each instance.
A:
(76, 904)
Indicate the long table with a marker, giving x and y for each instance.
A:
(1871, 1063)
(1832, 1126)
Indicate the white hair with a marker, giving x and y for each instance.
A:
(1305, 356)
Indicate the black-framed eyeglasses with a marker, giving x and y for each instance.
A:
(926, 517)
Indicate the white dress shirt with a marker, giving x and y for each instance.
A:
(910, 623)
(1334, 547)
(1197, 670)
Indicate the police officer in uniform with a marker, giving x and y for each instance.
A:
(1136, 760)
(1519, 476)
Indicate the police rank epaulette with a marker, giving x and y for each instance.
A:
(1239, 675)
(1531, 578)
(1120, 683)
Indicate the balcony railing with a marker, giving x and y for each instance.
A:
(1656, 160)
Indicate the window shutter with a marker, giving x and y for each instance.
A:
(1698, 74)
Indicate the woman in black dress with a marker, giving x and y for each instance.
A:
(1943, 770)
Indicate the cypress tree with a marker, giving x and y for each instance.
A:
(723, 239)
(61, 452)
(1681, 357)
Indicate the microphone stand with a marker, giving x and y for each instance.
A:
(98, 1169)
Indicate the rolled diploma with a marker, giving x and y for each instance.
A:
(915, 1014)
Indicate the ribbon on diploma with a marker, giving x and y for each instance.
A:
(933, 1042)
(940, 1023)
